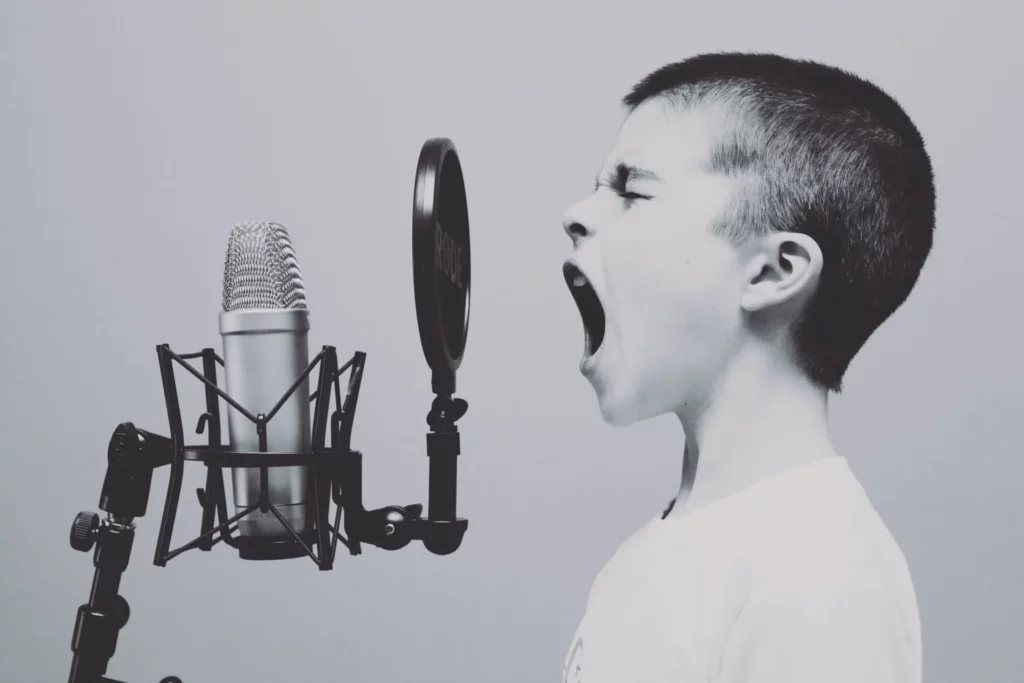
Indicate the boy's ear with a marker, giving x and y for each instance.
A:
(782, 269)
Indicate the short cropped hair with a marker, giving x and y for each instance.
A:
(819, 151)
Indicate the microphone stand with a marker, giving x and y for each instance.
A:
(133, 454)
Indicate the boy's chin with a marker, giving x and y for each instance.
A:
(617, 418)
(622, 409)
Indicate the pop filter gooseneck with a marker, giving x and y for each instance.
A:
(440, 227)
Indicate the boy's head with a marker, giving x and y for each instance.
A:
(749, 201)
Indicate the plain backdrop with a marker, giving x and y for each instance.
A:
(134, 135)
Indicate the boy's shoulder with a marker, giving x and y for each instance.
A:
(786, 567)
(817, 519)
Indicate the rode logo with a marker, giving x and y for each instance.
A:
(447, 256)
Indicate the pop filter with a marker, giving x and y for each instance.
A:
(441, 260)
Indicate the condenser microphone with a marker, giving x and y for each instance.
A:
(265, 326)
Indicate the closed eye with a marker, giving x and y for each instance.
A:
(631, 197)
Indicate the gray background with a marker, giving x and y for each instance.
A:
(134, 135)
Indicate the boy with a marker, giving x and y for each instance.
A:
(757, 219)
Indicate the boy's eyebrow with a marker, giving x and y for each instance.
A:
(622, 173)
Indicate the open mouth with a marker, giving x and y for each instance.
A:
(590, 306)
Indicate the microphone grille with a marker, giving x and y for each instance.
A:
(260, 268)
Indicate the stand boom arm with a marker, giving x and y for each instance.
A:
(132, 456)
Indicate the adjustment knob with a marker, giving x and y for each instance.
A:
(83, 531)
(121, 612)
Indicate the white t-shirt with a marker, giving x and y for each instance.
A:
(795, 579)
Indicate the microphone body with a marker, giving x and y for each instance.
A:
(265, 351)
(265, 327)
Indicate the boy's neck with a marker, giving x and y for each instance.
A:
(764, 418)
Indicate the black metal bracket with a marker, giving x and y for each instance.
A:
(133, 454)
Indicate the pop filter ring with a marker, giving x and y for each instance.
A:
(442, 275)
